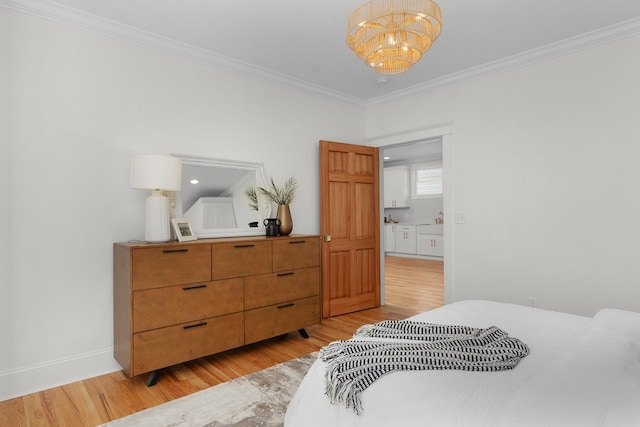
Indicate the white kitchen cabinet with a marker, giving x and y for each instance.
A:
(406, 239)
(389, 238)
(431, 245)
(396, 187)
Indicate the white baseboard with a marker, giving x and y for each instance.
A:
(31, 379)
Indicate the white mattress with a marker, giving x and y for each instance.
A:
(580, 371)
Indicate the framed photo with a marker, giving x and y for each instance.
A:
(182, 228)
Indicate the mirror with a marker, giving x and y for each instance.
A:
(213, 197)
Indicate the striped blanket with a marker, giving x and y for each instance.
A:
(353, 365)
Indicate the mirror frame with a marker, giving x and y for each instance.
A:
(258, 168)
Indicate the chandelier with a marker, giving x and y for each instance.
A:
(391, 35)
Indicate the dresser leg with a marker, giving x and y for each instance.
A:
(153, 377)
(303, 333)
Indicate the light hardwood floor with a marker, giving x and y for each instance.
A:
(412, 286)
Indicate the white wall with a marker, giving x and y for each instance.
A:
(82, 104)
(545, 166)
(5, 190)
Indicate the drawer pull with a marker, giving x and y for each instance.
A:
(194, 326)
(286, 305)
(170, 251)
(297, 241)
(291, 273)
(244, 246)
(188, 288)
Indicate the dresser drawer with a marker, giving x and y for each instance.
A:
(156, 308)
(170, 265)
(267, 322)
(164, 347)
(240, 259)
(269, 289)
(296, 253)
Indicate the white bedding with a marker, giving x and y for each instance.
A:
(580, 371)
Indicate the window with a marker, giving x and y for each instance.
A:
(426, 180)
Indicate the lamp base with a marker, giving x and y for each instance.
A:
(156, 220)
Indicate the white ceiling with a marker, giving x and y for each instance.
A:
(302, 42)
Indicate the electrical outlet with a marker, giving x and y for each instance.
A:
(460, 218)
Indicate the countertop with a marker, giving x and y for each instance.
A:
(422, 228)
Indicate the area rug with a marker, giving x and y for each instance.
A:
(258, 399)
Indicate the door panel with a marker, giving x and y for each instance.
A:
(350, 214)
(338, 194)
(366, 224)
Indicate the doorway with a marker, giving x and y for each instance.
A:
(413, 272)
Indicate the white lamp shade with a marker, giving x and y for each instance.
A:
(152, 171)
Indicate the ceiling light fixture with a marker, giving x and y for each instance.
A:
(391, 35)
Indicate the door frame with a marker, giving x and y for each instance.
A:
(439, 130)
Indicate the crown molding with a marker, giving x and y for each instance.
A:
(116, 30)
(119, 31)
(553, 50)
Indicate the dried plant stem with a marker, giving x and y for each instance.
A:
(283, 195)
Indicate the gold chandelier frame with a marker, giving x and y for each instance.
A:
(392, 35)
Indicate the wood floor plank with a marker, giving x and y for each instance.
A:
(13, 412)
(411, 287)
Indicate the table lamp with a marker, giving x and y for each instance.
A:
(156, 173)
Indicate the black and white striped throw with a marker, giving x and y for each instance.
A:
(353, 365)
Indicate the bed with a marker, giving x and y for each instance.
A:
(580, 371)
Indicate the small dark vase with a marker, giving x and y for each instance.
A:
(272, 226)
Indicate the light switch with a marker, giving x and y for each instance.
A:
(461, 218)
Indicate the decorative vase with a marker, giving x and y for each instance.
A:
(272, 226)
(286, 223)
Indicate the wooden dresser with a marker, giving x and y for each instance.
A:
(176, 302)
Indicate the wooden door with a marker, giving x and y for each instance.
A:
(350, 225)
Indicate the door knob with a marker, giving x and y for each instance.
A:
(327, 237)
